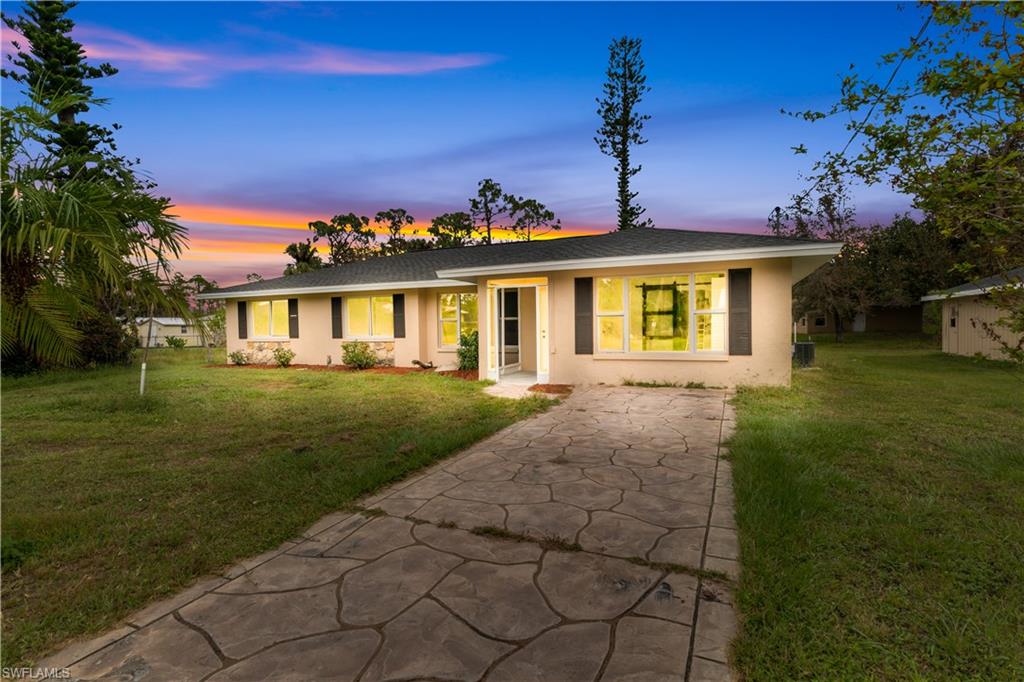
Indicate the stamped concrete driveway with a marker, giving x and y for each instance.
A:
(600, 528)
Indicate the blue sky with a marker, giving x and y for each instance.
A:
(256, 118)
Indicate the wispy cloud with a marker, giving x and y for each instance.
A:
(198, 67)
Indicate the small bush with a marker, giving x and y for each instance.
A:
(469, 350)
(358, 355)
(283, 356)
(239, 357)
(174, 342)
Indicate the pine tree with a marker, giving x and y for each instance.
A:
(53, 67)
(621, 124)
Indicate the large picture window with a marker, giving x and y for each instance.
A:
(269, 318)
(458, 316)
(662, 313)
(370, 316)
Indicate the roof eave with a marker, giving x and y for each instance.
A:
(789, 251)
(966, 293)
(334, 289)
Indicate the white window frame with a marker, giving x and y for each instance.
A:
(270, 318)
(458, 317)
(372, 336)
(691, 331)
(622, 314)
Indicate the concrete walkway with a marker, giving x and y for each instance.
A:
(599, 525)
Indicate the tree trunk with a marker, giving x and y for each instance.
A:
(837, 318)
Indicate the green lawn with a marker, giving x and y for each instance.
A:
(880, 503)
(111, 501)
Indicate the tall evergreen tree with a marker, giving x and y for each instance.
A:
(621, 124)
(488, 208)
(53, 67)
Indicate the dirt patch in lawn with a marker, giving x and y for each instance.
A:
(552, 389)
(467, 374)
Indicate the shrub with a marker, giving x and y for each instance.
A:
(238, 357)
(469, 350)
(358, 354)
(105, 341)
(174, 342)
(283, 356)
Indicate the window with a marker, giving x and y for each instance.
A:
(819, 322)
(611, 314)
(184, 330)
(370, 316)
(657, 313)
(458, 315)
(269, 318)
(710, 303)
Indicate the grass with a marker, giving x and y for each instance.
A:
(112, 501)
(880, 503)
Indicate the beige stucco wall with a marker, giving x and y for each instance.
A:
(968, 337)
(771, 332)
(315, 343)
(771, 320)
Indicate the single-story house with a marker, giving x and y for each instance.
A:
(878, 318)
(965, 308)
(155, 335)
(644, 304)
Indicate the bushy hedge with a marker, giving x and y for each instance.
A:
(283, 356)
(358, 355)
(239, 357)
(469, 350)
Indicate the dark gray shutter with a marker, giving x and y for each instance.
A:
(398, 303)
(584, 316)
(293, 318)
(243, 320)
(739, 312)
(336, 317)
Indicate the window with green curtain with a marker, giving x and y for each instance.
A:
(659, 312)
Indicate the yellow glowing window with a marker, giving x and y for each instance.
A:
(370, 316)
(659, 313)
(611, 314)
(269, 318)
(710, 303)
(458, 316)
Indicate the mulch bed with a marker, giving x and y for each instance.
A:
(467, 374)
(470, 374)
(555, 389)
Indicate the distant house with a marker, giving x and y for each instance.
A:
(877, 319)
(965, 308)
(645, 304)
(155, 336)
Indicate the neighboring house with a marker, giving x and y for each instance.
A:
(965, 308)
(877, 319)
(642, 304)
(155, 336)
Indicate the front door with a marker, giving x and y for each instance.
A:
(508, 330)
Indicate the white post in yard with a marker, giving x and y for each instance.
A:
(145, 353)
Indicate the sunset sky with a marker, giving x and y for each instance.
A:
(258, 118)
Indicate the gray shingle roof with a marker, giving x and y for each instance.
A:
(1016, 276)
(421, 266)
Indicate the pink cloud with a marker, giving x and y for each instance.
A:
(199, 67)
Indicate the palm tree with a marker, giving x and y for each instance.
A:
(305, 256)
(72, 227)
